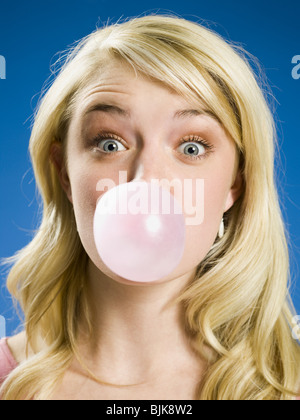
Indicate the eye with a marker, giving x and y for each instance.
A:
(194, 148)
(111, 146)
(107, 143)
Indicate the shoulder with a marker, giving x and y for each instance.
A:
(7, 360)
(17, 347)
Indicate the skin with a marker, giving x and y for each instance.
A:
(139, 340)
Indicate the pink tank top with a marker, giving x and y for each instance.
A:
(7, 361)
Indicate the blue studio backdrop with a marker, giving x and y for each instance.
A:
(32, 32)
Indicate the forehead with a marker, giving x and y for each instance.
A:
(119, 83)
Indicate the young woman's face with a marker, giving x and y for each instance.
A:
(132, 124)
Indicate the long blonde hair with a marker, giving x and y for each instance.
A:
(238, 305)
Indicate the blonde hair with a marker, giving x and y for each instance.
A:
(238, 305)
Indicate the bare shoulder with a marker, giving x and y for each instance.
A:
(17, 346)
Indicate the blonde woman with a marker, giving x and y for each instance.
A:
(157, 97)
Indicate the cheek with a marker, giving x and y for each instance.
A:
(202, 230)
(85, 197)
(85, 192)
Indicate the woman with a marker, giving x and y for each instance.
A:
(157, 97)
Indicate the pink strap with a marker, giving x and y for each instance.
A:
(7, 360)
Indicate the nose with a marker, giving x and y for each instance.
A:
(154, 165)
(150, 164)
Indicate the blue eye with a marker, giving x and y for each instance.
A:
(195, 148)
(111, 146)
(108, 143)
(192, 149)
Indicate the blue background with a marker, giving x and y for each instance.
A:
(32, 32)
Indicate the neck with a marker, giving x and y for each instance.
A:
(137, 330)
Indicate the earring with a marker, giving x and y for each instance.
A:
(221, 229)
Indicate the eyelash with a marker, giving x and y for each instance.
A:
(195, 139)
(190, 139)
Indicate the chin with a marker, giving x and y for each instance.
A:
(177, 276)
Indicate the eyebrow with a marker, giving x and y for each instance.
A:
(114, 109)
(184, 113)
(110, 109)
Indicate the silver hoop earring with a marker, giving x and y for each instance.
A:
(221, 229)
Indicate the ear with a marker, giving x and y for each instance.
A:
(235, 191)
(58, 160)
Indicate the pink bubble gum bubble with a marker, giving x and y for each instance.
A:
(139, 231)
